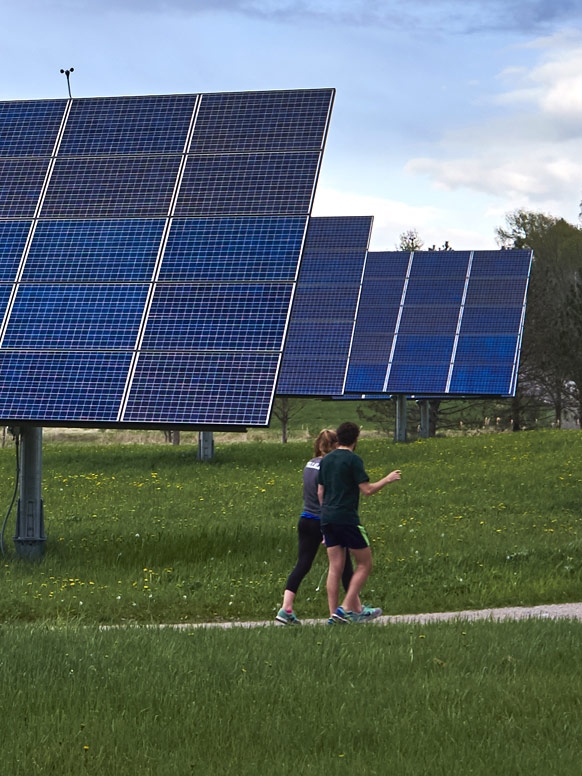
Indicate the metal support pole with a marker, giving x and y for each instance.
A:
(205, 445)
(424, 407)
(400, 430)
(30, 537)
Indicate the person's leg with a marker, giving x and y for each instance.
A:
(337, 559)
(348, 572)
(347, 575)
(309, 540)
(363, 558)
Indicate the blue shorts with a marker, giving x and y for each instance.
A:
(353, 537)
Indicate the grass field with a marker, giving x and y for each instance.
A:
(144, 534)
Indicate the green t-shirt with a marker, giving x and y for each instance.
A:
(340, 473)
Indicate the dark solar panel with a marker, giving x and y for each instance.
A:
(265, 121)
(128, 125)
(111, 187)
(150, 253)
(324, 310)
(248, 184)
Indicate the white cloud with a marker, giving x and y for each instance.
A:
(531, 155)
(435, 225)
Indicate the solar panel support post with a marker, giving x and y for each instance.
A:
(424, 407)
(30, 537)
(400, 428)
(205, 445)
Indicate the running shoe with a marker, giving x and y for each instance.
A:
(368, 613)
(287, 618)
(341, 616)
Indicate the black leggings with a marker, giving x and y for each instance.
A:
(309, 534)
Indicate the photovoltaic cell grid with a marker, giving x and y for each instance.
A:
(150, 250)
(324, 310)
(439, 323)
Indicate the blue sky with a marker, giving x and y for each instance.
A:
(449, 113)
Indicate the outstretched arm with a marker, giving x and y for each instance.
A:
(369, 488)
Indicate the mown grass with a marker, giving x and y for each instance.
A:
(455, 698)
(142, 534)
(148, 534)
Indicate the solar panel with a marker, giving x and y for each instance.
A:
(150, 249)
(324, 309)
(440, 323)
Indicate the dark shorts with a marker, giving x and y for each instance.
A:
(354, 537)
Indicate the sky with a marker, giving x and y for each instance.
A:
(449, 114)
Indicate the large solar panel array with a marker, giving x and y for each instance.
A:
(150, 249)
(428, 323)
(440, 323)
(324, 309)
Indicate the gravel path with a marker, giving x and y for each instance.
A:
(545, 611)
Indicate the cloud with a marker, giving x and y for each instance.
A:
(530, 155)
(393, 217)
(437, 16)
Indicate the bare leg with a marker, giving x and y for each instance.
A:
(288, 598)
(337, 559)
(364, 560)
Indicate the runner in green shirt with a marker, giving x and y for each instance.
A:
(341, 479)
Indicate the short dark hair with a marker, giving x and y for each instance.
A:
(347, 434)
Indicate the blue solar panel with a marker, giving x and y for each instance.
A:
(151, 248)
(248, 184)
(111, 187)
(264, 121)
(67, 388)
(65, 316)
(456, 329)
(235, 317)
(13, 236)
(128, 125)
(233, 249)
(324, 310)
(5, 291)
(30, 128)
(225, 388)
(112, 250)
(21, 182)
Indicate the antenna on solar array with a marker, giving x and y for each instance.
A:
(68, 74)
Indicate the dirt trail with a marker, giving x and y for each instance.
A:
(545, 611)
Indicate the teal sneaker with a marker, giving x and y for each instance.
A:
(287, 618)
(368, 613)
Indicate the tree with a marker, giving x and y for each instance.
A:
(409, 241)
(551, 361)
(285, 408)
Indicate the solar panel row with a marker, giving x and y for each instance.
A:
(322, 320)
(150, 251)
(423, 323)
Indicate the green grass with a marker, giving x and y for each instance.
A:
(446, 699)
(148, 534)
(144, 534)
